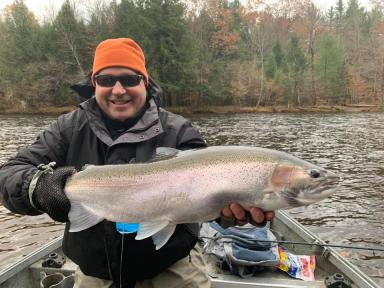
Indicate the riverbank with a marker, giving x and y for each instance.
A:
(277, 109)
(220, 109)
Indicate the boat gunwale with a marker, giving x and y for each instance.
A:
(328, 253)
(36, 255)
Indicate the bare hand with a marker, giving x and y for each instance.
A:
(234, 214)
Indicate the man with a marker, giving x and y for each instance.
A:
(121, 123)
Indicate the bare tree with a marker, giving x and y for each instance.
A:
(311, 22)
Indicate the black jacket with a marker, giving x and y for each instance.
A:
(80, 138)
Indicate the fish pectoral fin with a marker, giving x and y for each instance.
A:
(147, 229)
(162, 237)
(81, 218)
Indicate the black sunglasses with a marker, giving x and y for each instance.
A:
(106, 80)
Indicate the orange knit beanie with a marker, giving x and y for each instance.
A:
(119, 52)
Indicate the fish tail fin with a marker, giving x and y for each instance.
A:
(81, 218)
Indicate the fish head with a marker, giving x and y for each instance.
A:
(297, 183)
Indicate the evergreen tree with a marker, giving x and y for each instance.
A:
(20, 29)
(330, 67)
(131, 20)
(331, 14)
(18, 50)
(275, 60)
(353, 9)
(339, 16)
(71, 39)
(276, 72)
(171, 52)
(207, 86)
(296, 65)
(356, 17)
(339, 10)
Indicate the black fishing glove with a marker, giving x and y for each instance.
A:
(48, 195)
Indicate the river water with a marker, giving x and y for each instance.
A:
(351, 145)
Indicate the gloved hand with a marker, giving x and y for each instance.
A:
(48, 195)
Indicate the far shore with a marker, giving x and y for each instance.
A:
(220, 109)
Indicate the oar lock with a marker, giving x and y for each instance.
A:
(54, 260)
(337, 280)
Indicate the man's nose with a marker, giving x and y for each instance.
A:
(118, 89)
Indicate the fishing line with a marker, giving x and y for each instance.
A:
(121, 259)
(253, 243)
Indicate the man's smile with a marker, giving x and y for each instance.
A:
(120, 101)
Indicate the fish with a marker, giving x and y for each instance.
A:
(192, 186)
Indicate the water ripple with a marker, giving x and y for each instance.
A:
(350, 145)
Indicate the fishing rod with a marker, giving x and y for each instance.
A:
(253, 243)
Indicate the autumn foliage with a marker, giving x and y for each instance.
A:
(215, 52)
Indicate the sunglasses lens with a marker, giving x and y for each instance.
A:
(105, 80)
(130, 80)
(125, 80)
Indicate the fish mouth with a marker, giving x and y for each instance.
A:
(316, 192)
(322, 189)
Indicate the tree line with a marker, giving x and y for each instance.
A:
(217, 52)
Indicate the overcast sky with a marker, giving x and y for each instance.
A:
(39, 7)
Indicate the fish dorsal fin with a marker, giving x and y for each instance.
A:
(162, 237)
(164, 153)
(147, 229)
(86, 166)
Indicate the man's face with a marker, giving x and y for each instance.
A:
(120, 102)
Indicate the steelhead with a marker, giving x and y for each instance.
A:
(192, 187)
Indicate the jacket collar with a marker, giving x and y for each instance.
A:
(146, 128)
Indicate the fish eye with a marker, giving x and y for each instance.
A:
(314, 174)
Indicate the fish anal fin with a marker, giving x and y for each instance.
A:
(147, 229)
(162, 237)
